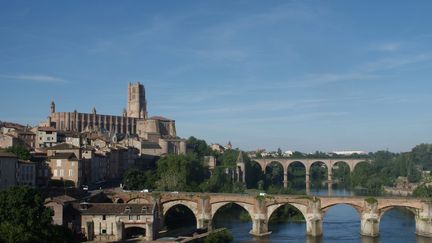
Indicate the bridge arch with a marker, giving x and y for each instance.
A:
(293, 162)
(216, 206)
(133, 231)
(351, 169)
(354, 165)
(118, 200)
(260, 165)
(314, 162)
(403, 222)
(138, 200)
(275, 173)
(356, 206)
(193, 206)
(296, 172)
(278, 162)
(411, 209)
(272, 208)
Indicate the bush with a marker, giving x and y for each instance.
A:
(222, 236)
(423, 191)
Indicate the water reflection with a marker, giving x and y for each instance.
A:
(341, 224)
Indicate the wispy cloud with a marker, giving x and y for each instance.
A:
(395, 62)
(34, 78)
(386, 47)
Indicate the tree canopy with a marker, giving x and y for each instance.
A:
(20, 151)
(24, 218)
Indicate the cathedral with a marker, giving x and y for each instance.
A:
(134, 122)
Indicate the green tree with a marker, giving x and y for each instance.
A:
(20, 151)
(23, 218)
(422, 155)
(423, 191)
(229, 158)
(180, 173)
(137, 180)
(198, 147)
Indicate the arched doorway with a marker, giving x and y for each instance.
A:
(134, 232)
(398, 225)
(341, 223)
(179, 220)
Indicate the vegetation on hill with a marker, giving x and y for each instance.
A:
(190, 173)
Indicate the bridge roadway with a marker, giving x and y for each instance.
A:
(260, 208)
(307, 163)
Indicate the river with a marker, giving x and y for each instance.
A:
(341, 224)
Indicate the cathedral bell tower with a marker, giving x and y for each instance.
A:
(52, 107)
(137, 103)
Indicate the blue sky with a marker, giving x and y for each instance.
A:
(300, 75)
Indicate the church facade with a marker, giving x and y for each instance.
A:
(133, 121)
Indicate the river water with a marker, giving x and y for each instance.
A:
(341, 224)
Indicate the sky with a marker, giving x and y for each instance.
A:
(299, 75)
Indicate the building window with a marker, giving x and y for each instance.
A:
(55, 173)
(72, 164)
(59, 163)
(130, 217)
(61, 172)
(138, 217)
(70, 172)
(103, 217)
(104, 231)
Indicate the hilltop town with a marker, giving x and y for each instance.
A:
(83, 148)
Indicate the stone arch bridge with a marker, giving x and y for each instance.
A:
(260, 208)
(307, 163)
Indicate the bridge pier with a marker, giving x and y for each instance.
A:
(314, 226)
(259, 227)
(329, 182)
(149, 233)
(370, 219)
(204, 218)
(423, 220)
(285, 180)
(259, 218)
(314, 218)
(307, 183)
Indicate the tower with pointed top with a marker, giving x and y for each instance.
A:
(52, 107)
(137, 104)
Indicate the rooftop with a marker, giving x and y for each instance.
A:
(46, 129)
(113, 208)
(63, 146)
(5, 154)
(69, 156)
